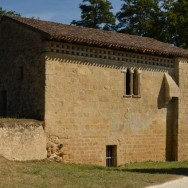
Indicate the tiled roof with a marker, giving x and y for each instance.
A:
(100, 38)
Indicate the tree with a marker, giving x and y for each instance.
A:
(165, 20)
(168, 22)
(140, 17)
(180, 12)
(96, 14)
(3, 12)
(175, 22)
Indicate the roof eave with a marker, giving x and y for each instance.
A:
(118, 47)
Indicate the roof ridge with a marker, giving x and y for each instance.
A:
(82, 27)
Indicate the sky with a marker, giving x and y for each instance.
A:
(63, 11)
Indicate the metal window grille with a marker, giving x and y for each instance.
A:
(111, 155)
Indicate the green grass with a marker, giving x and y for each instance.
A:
(45, 174)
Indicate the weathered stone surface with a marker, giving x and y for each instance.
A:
(21, 47)
(54, 149)
(86, 110)
(182, 75)
(22, 140)
(79, 92)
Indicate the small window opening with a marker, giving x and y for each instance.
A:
(128, 79)
(21, 73)
(111, 155)
(135, 82)
(4, 103)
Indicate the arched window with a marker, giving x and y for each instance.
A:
(3, 102)
(132, 82)
(135, 82)
(21, 63)
(128, 82)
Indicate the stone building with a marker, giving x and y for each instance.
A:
(106, 98)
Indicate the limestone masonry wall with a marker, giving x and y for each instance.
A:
(80, 93)
(182, 74)
(22, 140)
(22, 72)
(86, 111)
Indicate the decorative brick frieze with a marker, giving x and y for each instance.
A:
(92, 52)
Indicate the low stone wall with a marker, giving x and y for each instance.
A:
(22, 140)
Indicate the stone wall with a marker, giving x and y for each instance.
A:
(86, 111)
(22, 76)
(22, 140)
(182, 75)
(80, 91)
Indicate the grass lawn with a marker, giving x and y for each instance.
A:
(45, 174)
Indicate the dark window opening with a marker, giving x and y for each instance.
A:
(111, 156)
(135, 82)
(128, 84)
(3, 103)
(21, 73)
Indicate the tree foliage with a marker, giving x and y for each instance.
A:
(3, 12)
(165, 20)
(168, 22)
(180, 13)
(138, 17)
(96, 14)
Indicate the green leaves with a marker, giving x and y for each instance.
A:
(139, 17)
(96, 14)
(2, 12)
(180, 12)
(165, 20)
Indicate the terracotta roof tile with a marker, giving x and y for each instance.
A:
(100, 38)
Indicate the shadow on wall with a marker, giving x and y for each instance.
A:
(105, 63)
(161, 97)
(171, 123)
(22, 80)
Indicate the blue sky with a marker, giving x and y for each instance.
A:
(54, 10)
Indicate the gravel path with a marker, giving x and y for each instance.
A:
(179, 183)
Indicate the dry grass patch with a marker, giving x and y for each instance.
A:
(45, 174)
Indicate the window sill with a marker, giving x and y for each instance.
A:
(127, 96)
(136, 96)
(131, 96)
